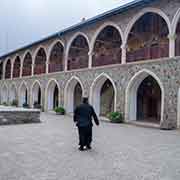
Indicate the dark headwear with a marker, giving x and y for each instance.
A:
(85, 100)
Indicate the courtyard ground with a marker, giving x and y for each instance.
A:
(48, 151)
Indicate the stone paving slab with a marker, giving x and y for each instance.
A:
(48, 151)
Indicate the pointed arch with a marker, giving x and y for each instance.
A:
(131, 94)
(36, 93)
(27, 64)
(40, 61)
(13, 92)
(23, 94)
(95, 92)
(77, 52)
(52, 95)
(69, 93)
(4, 93)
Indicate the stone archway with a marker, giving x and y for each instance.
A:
(36, 94)
(4, 94)
(73, 94)
(103, 95)
(145, 98)
(12, 93)
(23, 95)
(52, 95)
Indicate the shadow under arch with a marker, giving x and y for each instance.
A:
(74, 91)
(131, 94)
(95, 92)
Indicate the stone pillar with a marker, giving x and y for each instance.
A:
(123, 56)
(32, 70)
(90, 54)
(47, 67)
(172, 38)
(12, 67)
(21, 69)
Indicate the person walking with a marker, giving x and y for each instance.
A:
(83, 115)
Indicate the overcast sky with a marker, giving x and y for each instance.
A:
(26, 21)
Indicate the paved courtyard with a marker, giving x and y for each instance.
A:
(48, 151)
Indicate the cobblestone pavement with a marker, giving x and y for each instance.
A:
(48, 151)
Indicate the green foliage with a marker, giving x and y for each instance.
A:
(116, 117)
(5, 104)
(37, 105)
(14, 103)
(25, 105)
(60, 110)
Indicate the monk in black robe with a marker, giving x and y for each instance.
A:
(83, 115)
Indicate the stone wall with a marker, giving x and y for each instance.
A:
(166, 70)
(17, 116)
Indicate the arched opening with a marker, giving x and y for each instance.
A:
(12, 94)
(56, 58)
(8, 69)
(103, 96)
(23, 95)
(16, 68)
(106, 98)
(178, 39)
(78, 54)
(149, 101)
(4, 95)
(145, 98)
(40, 62)
(52, 96)
(1, 70)
(27, 65)
(107, 47)
(74, 94)
(36, 95)
(148, 38)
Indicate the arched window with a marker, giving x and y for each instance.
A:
(78, 53)
(8, 69)
(148, 38)
(56, 58)
(178, 39)
(40, 62)
(107, 48)
(16, 68)
(27, 65)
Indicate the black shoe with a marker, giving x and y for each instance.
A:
(81, 148)
(88, 147)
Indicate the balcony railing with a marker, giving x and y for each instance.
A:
(146, 53)
(55, 67)
(40, 69)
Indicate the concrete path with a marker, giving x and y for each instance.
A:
(48, 151)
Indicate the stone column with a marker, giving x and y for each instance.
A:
(123, 56)
(172, 38)
(12, 67)
(47, 67)
(32, 70)
(90, 54)
(21, 69)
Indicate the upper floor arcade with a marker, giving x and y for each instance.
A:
(151, 33)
